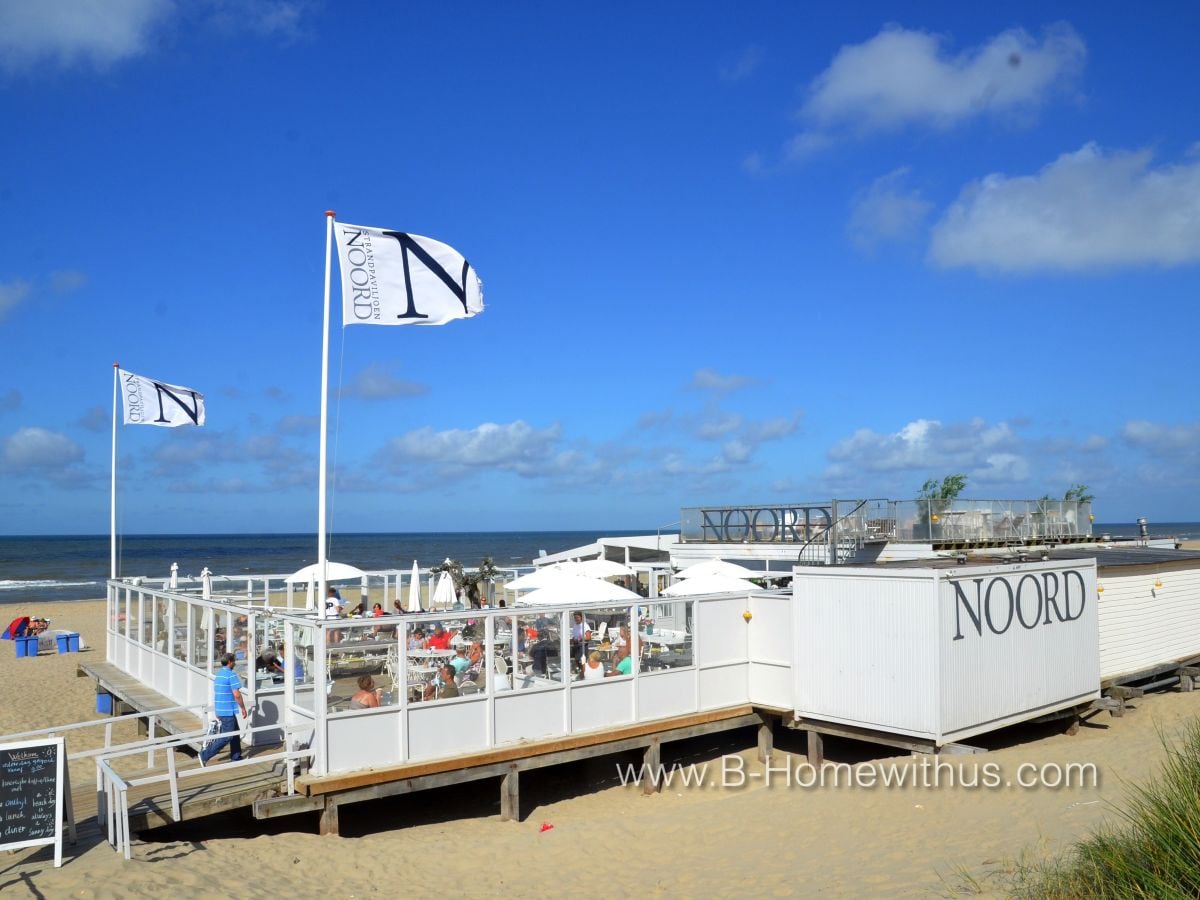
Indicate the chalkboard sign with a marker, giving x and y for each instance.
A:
(32, 781)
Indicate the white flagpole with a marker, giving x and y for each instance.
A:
(329, 216)
(112, 524)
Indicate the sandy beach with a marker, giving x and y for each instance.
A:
(686, 841)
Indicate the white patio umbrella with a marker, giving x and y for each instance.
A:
(414, 590)
(603, 568)
(443, 595)
(542, 576)
(718, 567)
(575, 589)
(709, 584)
(334, 571)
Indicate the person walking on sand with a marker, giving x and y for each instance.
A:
(227, 700)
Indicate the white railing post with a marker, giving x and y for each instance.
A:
(175, 813)
(150, 737)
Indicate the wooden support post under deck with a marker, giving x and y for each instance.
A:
(766, 739)
(1072, 728)
(816, 749)
(510, 795)
(651, 760)
(329, 816)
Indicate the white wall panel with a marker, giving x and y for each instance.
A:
(1142, 626)
(526, 716)
(725, 685)
(364, 739)
(601, 704)
(442, 729)
(665, 694)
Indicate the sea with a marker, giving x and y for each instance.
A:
(43, 569)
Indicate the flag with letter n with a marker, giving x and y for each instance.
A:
(396, 278)
(150, 402)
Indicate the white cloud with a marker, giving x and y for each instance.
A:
(69, 32)
(1086, 210)
(710, 380)
(12, 293)
(901, 76)
(35, 449)
(375, 382)
(97, 419)
(926, 444)
(886, 211)
(744, 66)
(1163, 440)
(515, 447)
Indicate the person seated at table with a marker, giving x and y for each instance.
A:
(622, 637)
(397, 607)
(376, 611)
(459, 661)
(442, 687)
(622, 662)
(474, 670)
(440, 639)
(593, 668)
(367, 696)
(417, 640)
(268, 661)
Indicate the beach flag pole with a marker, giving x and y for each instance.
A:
(321, 538)
(112, 524)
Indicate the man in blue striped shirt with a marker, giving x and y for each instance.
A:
(227, 700)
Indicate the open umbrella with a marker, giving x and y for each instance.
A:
(709, 584)
(603, 568)
(542, 576)
(718, 567)
(334, 571)
(575, 589)
(414, 590)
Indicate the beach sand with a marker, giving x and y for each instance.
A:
(605, 839)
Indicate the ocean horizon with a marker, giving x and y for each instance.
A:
(55, 568)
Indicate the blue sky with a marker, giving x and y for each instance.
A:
(729, 255)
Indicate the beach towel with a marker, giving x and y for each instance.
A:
(16, 628)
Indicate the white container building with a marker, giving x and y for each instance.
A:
(939, 651)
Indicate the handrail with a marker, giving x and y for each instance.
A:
(116, 789)
(111, 720)
(830, 530)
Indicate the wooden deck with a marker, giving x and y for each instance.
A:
(327, 793)
(140, 698)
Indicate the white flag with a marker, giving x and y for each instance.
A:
(394, 278)
(150, 402)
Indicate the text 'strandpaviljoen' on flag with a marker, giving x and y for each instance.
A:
(396, 278)
(150, 402)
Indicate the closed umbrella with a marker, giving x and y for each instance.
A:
(443, 595)
(414, 590)
(709, 584)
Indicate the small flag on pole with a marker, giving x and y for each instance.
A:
(396, 278)
(150, 402)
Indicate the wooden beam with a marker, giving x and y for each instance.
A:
(326, 784)
(886, 738)
(816, 749)
(510, 795)
(766, 739)
(272, 807)
(329, 816)
(651, 761)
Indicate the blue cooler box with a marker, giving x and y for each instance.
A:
(104, 703)
(64, 645)
(73, 643)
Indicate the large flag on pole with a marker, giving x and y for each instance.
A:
(396, 278)
(150, 402)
